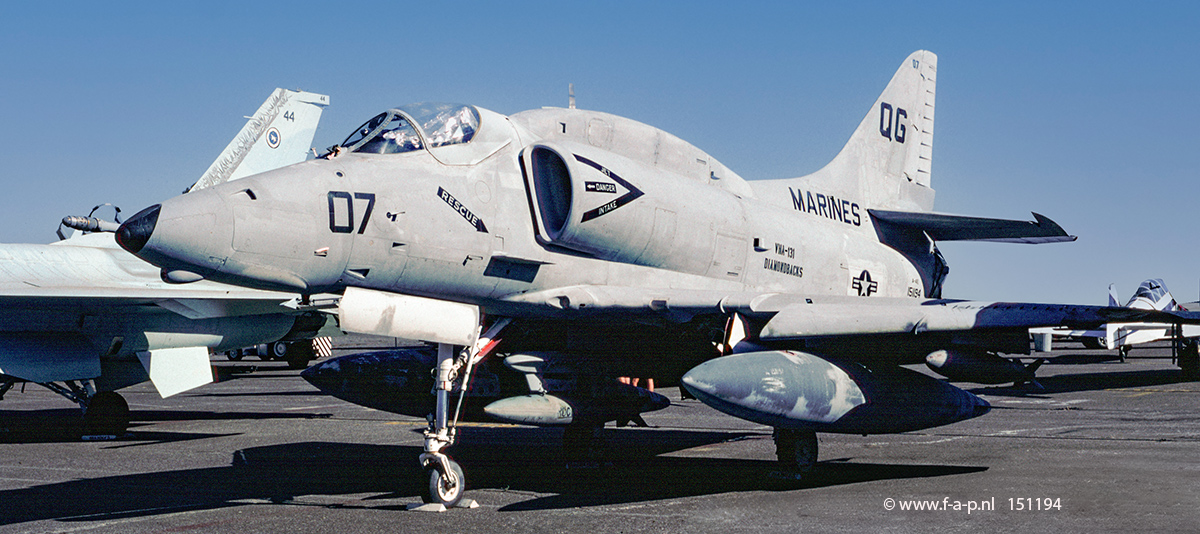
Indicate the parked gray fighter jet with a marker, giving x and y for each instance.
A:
(84, 318)
(576, 246)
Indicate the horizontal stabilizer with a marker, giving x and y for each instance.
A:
(941, 227)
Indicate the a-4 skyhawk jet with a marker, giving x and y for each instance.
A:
(574, 247)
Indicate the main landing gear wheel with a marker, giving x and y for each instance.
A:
(107, 414)
(277, 350)
(796, 450)
(299, 354)
(1124, 352)
(445, 488)
(582, 445)
(1189, 359)
(1093, 343)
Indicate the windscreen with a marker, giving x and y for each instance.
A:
(365, 131)
(396, 136)
(444, 124)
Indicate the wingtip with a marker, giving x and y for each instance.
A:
(1043, 221)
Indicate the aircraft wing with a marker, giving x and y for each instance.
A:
(91, 271)
(84, 309)
(799, 321)
(794, 317)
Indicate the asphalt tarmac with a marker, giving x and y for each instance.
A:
(1105, 446)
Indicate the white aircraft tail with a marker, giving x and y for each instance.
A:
(1110, 329)
(279, 134)
(888, 160)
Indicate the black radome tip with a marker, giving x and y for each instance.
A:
(135, 232)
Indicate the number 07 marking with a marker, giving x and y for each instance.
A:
(343, 198)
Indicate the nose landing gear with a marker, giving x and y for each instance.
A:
(446, 480)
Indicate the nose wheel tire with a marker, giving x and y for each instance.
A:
(445, 488)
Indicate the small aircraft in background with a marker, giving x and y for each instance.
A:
(1151, 294)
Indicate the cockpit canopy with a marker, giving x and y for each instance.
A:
(413, 127)
(1153, 290)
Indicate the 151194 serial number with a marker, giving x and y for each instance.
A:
(1019, 504)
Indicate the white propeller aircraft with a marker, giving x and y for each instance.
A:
(1151, 294)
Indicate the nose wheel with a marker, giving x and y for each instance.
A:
(446, 482)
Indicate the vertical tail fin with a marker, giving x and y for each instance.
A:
(888, 160)
(1113, 301)
(279, 134)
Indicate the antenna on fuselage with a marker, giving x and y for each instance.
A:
(571, 96)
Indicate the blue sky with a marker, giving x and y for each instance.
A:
(1086, 112)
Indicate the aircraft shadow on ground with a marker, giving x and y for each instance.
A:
(1089, 382)
(66, 424)
(313, 393)
(518, 460)
(229, 373)
(1081, 359)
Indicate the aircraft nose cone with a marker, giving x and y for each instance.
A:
(181, 234)
(135, 232)
(979, 406)
(325, 376)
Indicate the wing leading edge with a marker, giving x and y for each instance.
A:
(799, 321)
